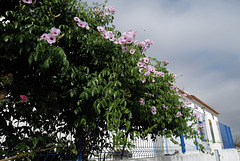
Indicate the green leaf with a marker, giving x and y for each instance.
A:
(6, 38)
(21, 39)
(49, 145)
(15, 24)
(98, 108)
(46, 63)
(35, 142)
(74, 151)
(30, 59)
(128, 123)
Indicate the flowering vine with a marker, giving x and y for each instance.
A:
(51, 37)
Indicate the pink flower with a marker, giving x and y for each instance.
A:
(132, 51)
(81, 24)
(76, 19)
(146, 60)
(44, 36)
(124, 49)
(153, 80)
(144, 80)
(196, 107)
(51, 38)
(174, 76)
(184, 95)
(147, 73)
(101, 29)
(55, 31)
(142, 102)
(140, 64)
(27, 1)
(23, 98)
(182, 105)
(157, 74)
(105, 35)
(87, 27)
(164, 106)
(178, 114)
(196, 114)
(151, 68)
(140, 70)
(172, 87)
(178, 106)
(154, 110)
(31, 11)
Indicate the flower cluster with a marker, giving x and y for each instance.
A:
(147, 69)
(125, 39)
(173, 87)
(109, 9)
(188, 102)
(51, 37)
(154, 110)
(144, 44)
(106, 34)
(81, 23)
(23, 98)
(165, 62)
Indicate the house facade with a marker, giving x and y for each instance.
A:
(217, 136)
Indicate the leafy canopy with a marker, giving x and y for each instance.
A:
(83, 81)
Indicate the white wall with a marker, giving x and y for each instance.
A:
(228, 155)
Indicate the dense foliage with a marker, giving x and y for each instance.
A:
(69, 81)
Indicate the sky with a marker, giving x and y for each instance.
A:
(200, 39)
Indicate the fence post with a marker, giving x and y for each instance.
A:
(79, 157)
(166, 145)
(154, 146)
(183, 144)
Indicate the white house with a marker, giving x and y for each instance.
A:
(218, 137)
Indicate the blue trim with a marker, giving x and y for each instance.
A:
(183, 144)
(166, 145)
(196, 141)
(230, 137)
(154, 146)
